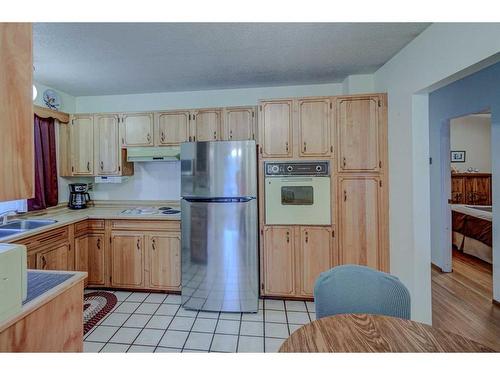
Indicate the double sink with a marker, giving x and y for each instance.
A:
(21, 226)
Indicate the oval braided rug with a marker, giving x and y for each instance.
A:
(95, 307)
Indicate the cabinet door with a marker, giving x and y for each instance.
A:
(107, 145)
(359, 221)
(164, 261)
(279, 261)
(314, 127)
(16, 103)
(358, 134)
(458, 190)
(57, 258)
(82, 145)
(239, 124)
(172, 128)
(127, 259)
(137, 129)
(478, 190)
(314, 256)
(82, 253)
(206, 125)
(276, 128)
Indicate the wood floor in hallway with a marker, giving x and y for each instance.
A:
(462, 301)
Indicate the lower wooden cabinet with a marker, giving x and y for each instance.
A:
(293, 257)
(54, 258)
(90, 257)
(163, 261)
(279, 261)
(314, 256)
(127, 259)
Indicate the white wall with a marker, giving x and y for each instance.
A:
(436, 56)
(358, 84)
(198, 99)
(472, 134)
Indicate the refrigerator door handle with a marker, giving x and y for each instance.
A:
(219, 200)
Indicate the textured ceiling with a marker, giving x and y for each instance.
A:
(121, 58)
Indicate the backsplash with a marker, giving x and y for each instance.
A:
(151, 181)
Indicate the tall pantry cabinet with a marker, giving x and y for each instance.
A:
(350, 132)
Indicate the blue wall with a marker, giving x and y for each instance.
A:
(475, 93)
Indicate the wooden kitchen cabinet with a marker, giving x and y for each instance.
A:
(206, 124)
(314, 127)
(478, 190)
(90, 257)
(127, 259)
(315, 256)
(164, 261)
(55, 258)
(172, 128)
(358, 133)
(16, 103)
(137, 129)
(239, 124)
(279, 261)
(361, 224)
(82, 145)
(276, 128)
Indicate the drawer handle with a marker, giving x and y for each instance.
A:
(162, 137)
(88, 166)
(153, 244)
(288, 237)
(99, 243)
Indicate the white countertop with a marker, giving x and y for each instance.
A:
(102, 210)
(468, 210)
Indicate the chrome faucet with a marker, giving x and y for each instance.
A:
(4, 216)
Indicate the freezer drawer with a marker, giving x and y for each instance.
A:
(219, 255)
(219, 169)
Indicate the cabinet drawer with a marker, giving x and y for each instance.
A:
(146, 225)
(48, 238)
(96, 224)
(81, 227)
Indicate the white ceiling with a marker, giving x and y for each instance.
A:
(121, 58)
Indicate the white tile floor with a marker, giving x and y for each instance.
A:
(154, 322)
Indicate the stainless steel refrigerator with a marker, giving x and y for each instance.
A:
(219, 226)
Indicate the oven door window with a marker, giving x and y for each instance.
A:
(297, 195)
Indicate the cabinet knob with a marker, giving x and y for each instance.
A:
(230, 134)
(288, 237)
(138, 244)
(305, 147)
(286, 146)
(99, 243)
(88, 166)
(153, 243)
(215, 135)
(148, 137)
(162, 137)
(44, 262)
(102, 165)
(307, 237)
(344, 162)
(345, 195)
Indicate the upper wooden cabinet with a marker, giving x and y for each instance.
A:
(239, 124)
(276, 128)
(171, 128)
(107, 144)
(314, 127)
(137, 129)
(82, 145)
(206, 124)
(16, 104)
(361, 222)
(358, 133)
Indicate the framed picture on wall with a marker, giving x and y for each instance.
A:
(457, 156)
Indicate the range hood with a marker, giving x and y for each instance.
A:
(142, 154)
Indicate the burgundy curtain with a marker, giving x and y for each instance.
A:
(46, 194)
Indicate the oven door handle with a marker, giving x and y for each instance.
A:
(297, 179)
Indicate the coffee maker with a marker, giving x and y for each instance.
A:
(78, 196)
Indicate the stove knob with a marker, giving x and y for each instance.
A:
(318, 168)
(289, 168)
(274, 169)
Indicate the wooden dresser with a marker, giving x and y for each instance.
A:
(471, 188)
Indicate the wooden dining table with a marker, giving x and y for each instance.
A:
(363, 333)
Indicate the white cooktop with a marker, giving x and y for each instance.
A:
(160, 211)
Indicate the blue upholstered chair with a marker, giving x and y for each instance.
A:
(356, 289)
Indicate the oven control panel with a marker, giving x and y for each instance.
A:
(297, 168)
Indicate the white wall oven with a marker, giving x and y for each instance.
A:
(297, 193)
